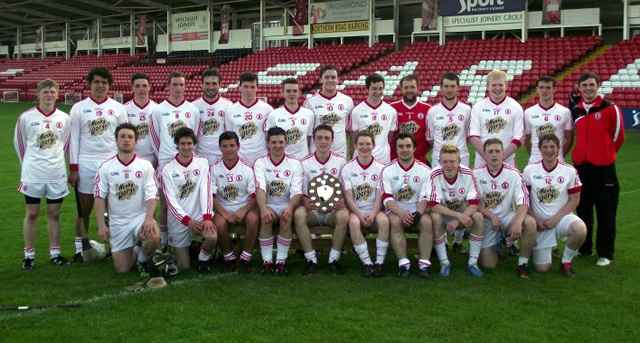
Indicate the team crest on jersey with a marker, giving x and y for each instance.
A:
(229, 193)
(98, 127)
(547, 194)
(175, 126)
(185, 190)
(125, 191)
(210, 126)
(247, 130)
(453, 204)
(330, 119)
(143, 130)
(46, 140)
(492, 200)
(362, 192)
(409, 127)
(544, 129)
(495, 125)
(405, 194)
(294, 135)
(375, 129)
(450, 132)
(276, 188)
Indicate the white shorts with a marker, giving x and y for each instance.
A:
(48, 190)
(180, 236)
(321, 218)
(546, 240)
(492, 237)
(124, 237)
(277, 208)
(87, 171)
(464, 160)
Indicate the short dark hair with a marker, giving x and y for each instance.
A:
(365, 133)
(102, 72)
(138, 76)
(410, 77)
(211, 72)
(492, 141)
(248, 77)
(373, 78)
(176, 74)
(328, 67)
(451, 76)
(127, 126)
(276, 131)
(290, 81)
(588, 75)
(548, 137)
(404, 135)
(228, 135)
(324, 127)
(546, 78)
(184, 132)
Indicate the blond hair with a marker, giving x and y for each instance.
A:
(48, 83)
(496, 74)
(450, 149)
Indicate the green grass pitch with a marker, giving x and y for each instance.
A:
(598, 305)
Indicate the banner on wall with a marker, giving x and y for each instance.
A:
(340, 16)
(551, 14)
(189, 26)
(450, 8)
(224, 25)
(38, 39)
(300, 18)
(141, 32)
(429, 15)
(631, 118)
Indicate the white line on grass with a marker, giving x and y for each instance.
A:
(630, 192)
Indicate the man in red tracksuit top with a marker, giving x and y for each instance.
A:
(599, 131)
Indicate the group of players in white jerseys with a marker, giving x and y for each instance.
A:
(214, 164)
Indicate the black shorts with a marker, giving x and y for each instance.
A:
(32, 201)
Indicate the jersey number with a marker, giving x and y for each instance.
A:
(248, 117)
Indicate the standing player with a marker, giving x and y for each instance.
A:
(412, 117)
(331, 108)
(497, 116)
(554, 187)
(599, 136)
(234, 201)
(361, 183)
(93, 125)
(40, 140)
(404, 182)
(547, 117)
(278, 189)
(187, 188)
(297, 121)
(501, 186)
(127, 184)
(323, 160)
(453, 199)
(247, 117)
(212, 108)
(139, 110)
(375, 116)
(171, 115)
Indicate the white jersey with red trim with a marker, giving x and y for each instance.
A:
(363, 181)
(140, 116)
(312, 167)
(299, 126)
(93, 128)
(539, 121)
(405, 186)
(448, 126)
(280, 181)
(211, 125)
(456, 194)
(166, 119)
(249, 123)
(233, 186)
(502, 120)
(549, 189)
(499, 192)
(126, 187)
(40, 140)
(334, 111)
(379, 120)
(187, 189)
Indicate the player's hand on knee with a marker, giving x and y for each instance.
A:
(496, 224)
(339, 205)
(407, 219)
(148, 228)
(208, 227)
(516, 231)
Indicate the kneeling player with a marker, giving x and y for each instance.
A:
(454, 204)
(278, 189)
(554, 187)
(500, 186)
(361, 183)
(187, 189)
(234, 201)
(404, 182)
(128, 184)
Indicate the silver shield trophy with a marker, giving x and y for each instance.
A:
(324, 192)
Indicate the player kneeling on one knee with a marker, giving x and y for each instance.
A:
(128, 185)
(187, 189)
(554, 188)
(453, 198)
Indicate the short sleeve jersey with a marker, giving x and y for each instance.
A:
(140, 116)
(299, 126)
(456, 194)
(412, 120)
(211, 125)
(499, 192)
(187, 189)
(539, 121)
(404, 186)
(312, 167)
(248, 123)
(362, 181)
(280, 181)
(448, 126)
(232, 186)
(335, 112)
(166, 119)
(549, 190)
(379, 120)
